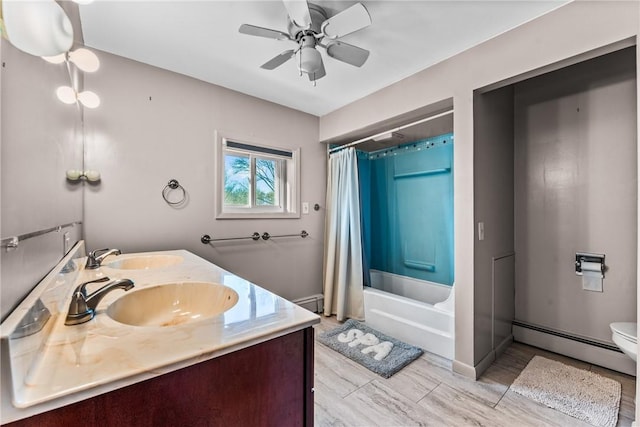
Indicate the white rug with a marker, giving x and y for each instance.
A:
(581, 394)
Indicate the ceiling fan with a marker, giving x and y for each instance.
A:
(310, 27)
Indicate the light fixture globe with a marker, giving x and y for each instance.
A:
(310, 60)
(89, 99)
(85, 59)
(57, 59)
(66, 94)
(39, 28)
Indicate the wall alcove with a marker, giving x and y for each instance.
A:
(555, 173)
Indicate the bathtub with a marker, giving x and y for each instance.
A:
(403, 307)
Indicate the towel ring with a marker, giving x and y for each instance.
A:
(174, 185)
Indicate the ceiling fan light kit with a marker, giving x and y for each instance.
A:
(308, 27)
(310, 59)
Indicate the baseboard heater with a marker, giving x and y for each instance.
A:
(566, 335)
(314, 303)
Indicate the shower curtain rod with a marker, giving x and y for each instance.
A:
(426, 119)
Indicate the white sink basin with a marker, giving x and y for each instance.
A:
(172, 304)
(142, 262)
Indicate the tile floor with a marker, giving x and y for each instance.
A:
(428, 393)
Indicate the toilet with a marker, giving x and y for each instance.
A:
(625, 335)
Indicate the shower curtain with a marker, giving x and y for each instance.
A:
(342, 279)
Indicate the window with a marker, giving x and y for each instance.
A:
(256, 181)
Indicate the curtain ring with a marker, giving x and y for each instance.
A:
(173, 185)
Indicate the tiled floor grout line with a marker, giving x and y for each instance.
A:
(429, 392)
(502, 397)
(356, 389)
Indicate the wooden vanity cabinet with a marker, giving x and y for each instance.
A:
(267, 384)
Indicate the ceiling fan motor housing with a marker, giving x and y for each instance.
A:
(318, 16)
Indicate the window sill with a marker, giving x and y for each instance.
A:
(258, 215)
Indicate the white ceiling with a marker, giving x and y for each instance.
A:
(201, 39)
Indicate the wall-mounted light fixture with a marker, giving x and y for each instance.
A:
(83, 58)
(68, 95)
(76, 175)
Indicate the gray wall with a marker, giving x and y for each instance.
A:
(154, 125)
(572, 30)
(576, 191)
(41, 139)
(493, 207)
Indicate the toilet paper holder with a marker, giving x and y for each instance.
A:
(585, 257)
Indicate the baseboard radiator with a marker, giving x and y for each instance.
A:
(314, 303)
(567, 335)
(578, 347)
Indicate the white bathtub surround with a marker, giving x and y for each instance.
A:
(342, 281)
(404, 308)
(64, 364)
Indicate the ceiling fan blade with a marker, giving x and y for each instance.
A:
(278, 60)
(345, 52)
(346, 22)
(252, 30)
(319, 73)
(298, 11)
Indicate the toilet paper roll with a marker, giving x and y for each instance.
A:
(591, 266)
(592, 280)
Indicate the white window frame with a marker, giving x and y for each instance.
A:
(288, 185)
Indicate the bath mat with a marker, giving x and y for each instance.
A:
(581, 394)
(372, 349)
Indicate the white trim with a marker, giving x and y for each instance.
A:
(464, 369)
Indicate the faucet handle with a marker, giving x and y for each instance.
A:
(82, 288)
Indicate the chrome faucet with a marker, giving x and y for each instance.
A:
(83, 307)
(95, 258)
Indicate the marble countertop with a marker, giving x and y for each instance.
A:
(103, 355)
